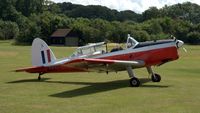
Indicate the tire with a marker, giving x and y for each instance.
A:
(134, 82)
(156, 78)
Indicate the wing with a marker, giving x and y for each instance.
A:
(104, 65)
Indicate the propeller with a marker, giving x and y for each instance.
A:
(180, 43)
(185, 49)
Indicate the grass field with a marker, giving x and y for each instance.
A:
(178, 92)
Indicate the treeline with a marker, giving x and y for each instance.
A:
(24, 20)
(93, 11)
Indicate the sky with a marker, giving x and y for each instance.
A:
(135, 5)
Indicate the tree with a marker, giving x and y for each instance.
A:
(152, 12)
(8, 30)
(181, 29)
(28, 30)
(103, 26)
(8, 11)
(155, 27)
(168, 25)
(54, 8)
(27, 7)
(29, 19)
(193, 38)
(185, 11)
(128, 15)
(141, 36)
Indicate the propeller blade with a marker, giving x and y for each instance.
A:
(185, 49)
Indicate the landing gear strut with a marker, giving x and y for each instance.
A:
(39, 77)
(154, 76)
(134, 82)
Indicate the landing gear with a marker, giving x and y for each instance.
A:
(154, 76)
(134, 82)
(39, 77)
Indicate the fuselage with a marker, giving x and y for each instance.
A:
(152, 53)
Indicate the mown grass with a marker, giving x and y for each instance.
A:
(178, 92)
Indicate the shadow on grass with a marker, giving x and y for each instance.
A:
(30, 80)
(91, 87)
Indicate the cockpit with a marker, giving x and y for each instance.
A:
(100, 48)
(91, 50)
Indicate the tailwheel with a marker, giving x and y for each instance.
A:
(39, 77)
(134, 82)
(156, 77)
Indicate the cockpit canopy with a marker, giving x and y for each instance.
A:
(90, 50)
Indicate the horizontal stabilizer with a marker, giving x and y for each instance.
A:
(38, 69)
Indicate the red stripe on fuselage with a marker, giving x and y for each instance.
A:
(150, 57)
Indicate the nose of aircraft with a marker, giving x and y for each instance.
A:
(179, 43)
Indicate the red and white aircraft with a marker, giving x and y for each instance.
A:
(95, 57)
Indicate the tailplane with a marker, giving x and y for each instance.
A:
(41, 53)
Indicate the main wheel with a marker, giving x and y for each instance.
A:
(134, 82)
(156, 78)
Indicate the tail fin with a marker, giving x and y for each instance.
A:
(41, 53)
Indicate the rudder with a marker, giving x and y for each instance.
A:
(41, 53)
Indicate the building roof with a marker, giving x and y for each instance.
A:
(61, 33)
